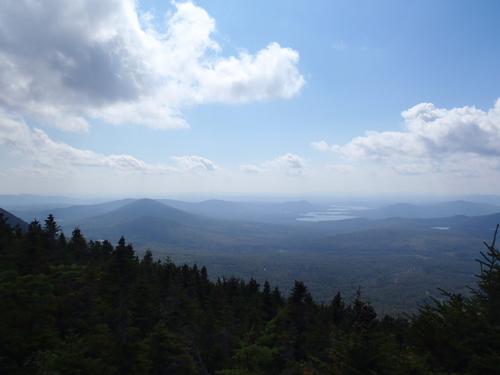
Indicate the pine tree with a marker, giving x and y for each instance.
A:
(51, 228)
(488, 294)
(78, 247)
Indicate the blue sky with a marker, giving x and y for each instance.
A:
(362, 62)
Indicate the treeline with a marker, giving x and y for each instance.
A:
(69, 306)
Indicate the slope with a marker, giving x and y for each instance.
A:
(13, 220)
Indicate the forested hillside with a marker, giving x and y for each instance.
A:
(70, 306)
(13, 220)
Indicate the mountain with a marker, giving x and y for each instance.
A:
(265, 212)
(483, 225)
(442, 209)
(382, 255)
(220, 225)
(13, 220)
(143, 221)
(140, 208)
(147, 222)
(70, 213)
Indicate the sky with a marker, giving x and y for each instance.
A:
(155, 98)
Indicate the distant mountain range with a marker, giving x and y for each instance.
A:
(150, 222)
(269, 212)
(399, 246)
(262, 212)
(241, 226)
(70, 213)
(442, 209)
(223, 224)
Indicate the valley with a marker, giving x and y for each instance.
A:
(397, 261)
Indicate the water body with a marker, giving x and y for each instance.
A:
(333, 213)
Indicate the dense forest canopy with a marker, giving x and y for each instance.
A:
(72, 306)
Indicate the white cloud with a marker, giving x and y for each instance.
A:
(434, 139)
(195, 163)
(271, 73)
(289, 163)
(66, 63)
(322, 146)
(47, 154)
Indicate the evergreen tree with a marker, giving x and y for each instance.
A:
(78, 247)
(51, 228)
(78, 307)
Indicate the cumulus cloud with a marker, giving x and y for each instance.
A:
(195, 163)
(271, 73)
(433, 140)
(47, 154)
(289, 163)
(67, 63)
(322, 146)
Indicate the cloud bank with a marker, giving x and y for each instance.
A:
(195, 163)
(434, 132)
(457, 140)
(47, 154)
(65, 64)
(322, 146)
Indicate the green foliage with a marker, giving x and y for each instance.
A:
(462, 334)
(78, 307)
